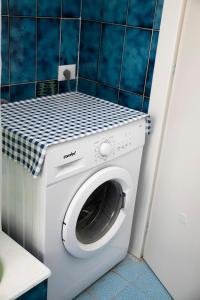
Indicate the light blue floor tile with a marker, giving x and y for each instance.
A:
(132, 279)
(151, 286)
(107, 287)
(130, 269)
(84, 296)
(131, 293)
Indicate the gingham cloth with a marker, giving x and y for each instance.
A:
(30, 126)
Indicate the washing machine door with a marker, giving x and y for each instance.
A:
(97, 211)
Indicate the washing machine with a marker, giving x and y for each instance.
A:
(76, 216)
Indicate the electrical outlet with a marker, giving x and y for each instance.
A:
(61, 69)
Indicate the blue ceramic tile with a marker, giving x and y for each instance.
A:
(37, 293)
(152, 287)
(65, 86)
(107, 93)
(110, 65)
(70, 42)
(135, 60)
(50, 8)
(22, 92)
(131, 293)
(131, 268)
(132, 101)
(151, 63)
(87, 87)
(71, 8)
(158, 15)
(145, 107)
(114, 11)
(107, 287)
(141, 13)
(22, 7)
(4, 7)
(48, 49)
(108, 11)
(84, 296)
(89, 49)
(4, 52)
(46, 88)
(22, 49)
(91, 10)
(5, 92)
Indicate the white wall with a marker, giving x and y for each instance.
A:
(172, 247)
(169, 38)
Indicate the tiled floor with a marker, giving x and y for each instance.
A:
(132, 279)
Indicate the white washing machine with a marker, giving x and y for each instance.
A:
(77, 215)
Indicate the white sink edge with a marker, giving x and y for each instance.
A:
(20, 268)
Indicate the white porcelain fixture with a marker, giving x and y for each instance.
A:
(21, 271)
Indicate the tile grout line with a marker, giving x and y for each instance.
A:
(79, 46)
(149, 54)
(109, 86)
(100, 49)
(9, 54)
(29, 82)
(123, 50)
(60, 41)
(36, 49)
(119, 24)
(90, 80)
(40, 17)
(87, 20)
(99, 55)
(7, 6)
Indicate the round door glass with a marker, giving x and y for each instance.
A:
(99, 212)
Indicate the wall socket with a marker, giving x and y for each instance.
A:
(61, 69)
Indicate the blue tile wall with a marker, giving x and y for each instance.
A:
(70, 42)
(135, 61)
(22, 49)
(107, 93)
(4, 7)
(151, 63)
(91, 12)
(118, 42)
(48, 48)
(141, 13)
(5, 51)
(109, 65)
(71, 8)
(22, 91)
(89, 54)
(158, 14)
(87, 87)
(114, 11)
(50, 8)
(118, 48)
(37, 37)
(131, 100)
(22, 8)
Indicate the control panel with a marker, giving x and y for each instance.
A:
(73, 157)
(115, 145)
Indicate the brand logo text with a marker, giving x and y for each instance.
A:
(69, 155)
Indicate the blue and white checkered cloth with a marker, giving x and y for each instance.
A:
(30, 126)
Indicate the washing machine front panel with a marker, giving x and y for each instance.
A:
(97, 211)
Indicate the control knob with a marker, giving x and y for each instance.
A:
(105, 149)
